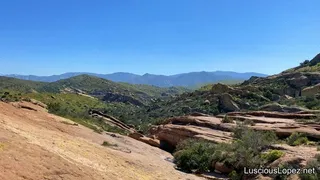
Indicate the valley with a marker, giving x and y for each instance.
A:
(92, 127)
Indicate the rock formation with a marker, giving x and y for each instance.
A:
(227, 103)
(177, 129)
(311, 91)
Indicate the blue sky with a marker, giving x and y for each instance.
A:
(156, 36)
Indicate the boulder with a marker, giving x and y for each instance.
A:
(221, 88)
(298, 81)
(287, 97)
(226, 102)
(207, 102)
(36, 102)
(314, 77)
(221, 167)
(311, 91)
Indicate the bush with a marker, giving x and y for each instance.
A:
(105, 143)
(245, 151)
(238, 130)
(272, 155)
(54, 107)
(234, 176)
(268, 95)
(296, 139)
(249, 122)
(226, 119)
(193, 155)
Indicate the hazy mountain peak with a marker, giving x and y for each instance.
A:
(184, 79)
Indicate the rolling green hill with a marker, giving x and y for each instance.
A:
(13, 84)
(110, 91)
(101, 88)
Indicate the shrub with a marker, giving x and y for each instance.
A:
(234, 176)
(249, 122)
(268, 94)
(105, 143)
(54, 107)
(194, 154)
(238, 130)
(296, 139)
(272, 155)
(226, 119)
(281, 176)
(245, 151)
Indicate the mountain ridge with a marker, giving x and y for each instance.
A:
(184, 79)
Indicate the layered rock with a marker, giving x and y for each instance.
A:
(111, 120)
(298, 81)
(297, 115)
(311, 91)
(140, 137)
(176, 129)
(281, 108)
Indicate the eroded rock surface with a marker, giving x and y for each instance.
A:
(37, 145)
(177, 129)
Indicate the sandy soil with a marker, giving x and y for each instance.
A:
(38, 145)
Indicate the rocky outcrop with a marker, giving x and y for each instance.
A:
(111, 120)
(147, 140)
(177, 129)
(281, 108)
(133, 133)
(298, 81)
(222, 168)
(220, 88)
(315, 60)
(295, 156)
(172, 134)
(311, 91)
(227, 103)
(38, 103)
(299, 115)
(24, 106)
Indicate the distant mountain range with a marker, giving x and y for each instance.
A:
(186, 79)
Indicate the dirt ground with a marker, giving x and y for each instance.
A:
(36, 145)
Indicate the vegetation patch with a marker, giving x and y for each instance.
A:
(227, 119)
(2, 146)
(244, 151)
(194, 155)
(296, 139)
(272, 155)
(106, 143)
(249, 122)
(69, 123)
(10, 96)
(312, 164)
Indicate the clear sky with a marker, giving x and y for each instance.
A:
(45, 37)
